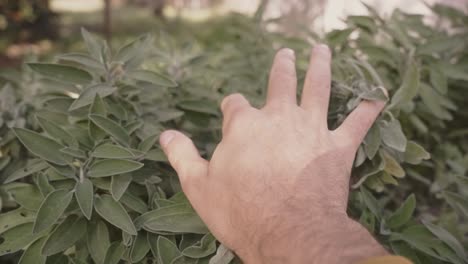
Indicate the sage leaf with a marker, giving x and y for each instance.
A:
(409, 87)
(74, 152)
(97, 240)
(15, 218)
(438, 80)
(146, 144)
(31, 167)
(109, 167)
(403, 214)
(392, 135)
(41, 146)
(18, 237)
(134, 203)
(447, 238)
(114, 213)
(65, 235)
(56, 132)
(111, 128)
(96, 46)
(140, 247)
(84, 60)
(204, 248)
(51, 209)
(414, 153)
(392, 166)
(372, 141)
(153, 78)
(179, 218)
(84, 195)
(167, 250)
(111, 151)
(223, 256)
(114, 253)
(63, 73)
(33, 255)
(119, 185)
(87, 96)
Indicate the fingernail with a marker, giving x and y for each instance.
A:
(289, 52)
(166, 137)
(322, 48)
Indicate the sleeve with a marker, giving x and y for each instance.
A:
(386, 260)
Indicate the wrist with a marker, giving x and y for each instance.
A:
(336, 239)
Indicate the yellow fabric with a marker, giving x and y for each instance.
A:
(387, 260)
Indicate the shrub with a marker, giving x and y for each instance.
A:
(92, 185)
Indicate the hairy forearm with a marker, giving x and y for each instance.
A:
(348, 243)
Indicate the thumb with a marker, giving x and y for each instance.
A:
(185, 159)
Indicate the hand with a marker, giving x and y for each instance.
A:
(276, 188)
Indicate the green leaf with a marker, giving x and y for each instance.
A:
(41, 146)
(223, 256)
(28, 196)
(114, 213)
(438, 79)
(146, 144)
(372, 142)
(134, 203)
(167, 250)
(156, 155)
(403, 214)
(98, 241)
(392, 166)
(18, 237)
(96, 46)
(433, 101)
(114, 253)
(448, 239)
(457, 202)
(204, 248)
(140, 247)
(84, 60)
(98, 107)
(199, 106)
(65, 235)
(87, 96)
(392, 135)
(120, 184)
(74, 152)
(112, 151)
(32, 166)
(133, 54)
(62, 73)
(409, 87)
(56, 132)
(179, 218)
(84, 195)
(33, 255)
(51, 209)
(111, 128)
(15, 218)
(109, 167)
(369, 200)
(415, 153)
(153, 78)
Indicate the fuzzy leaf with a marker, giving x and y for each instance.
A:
(84, 195)
(63, 73)
(111, 128)
(112, 151)
(65, 235)
(403, 214)
(109, 167)
(42, 146)
(114, 213)
(52, 209)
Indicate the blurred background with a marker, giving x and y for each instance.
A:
(40, 26)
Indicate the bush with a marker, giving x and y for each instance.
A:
(90, 185)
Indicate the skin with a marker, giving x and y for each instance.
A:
(276, 188)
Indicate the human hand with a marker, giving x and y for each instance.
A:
(276, 188)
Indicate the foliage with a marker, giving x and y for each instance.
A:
(95, 187)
